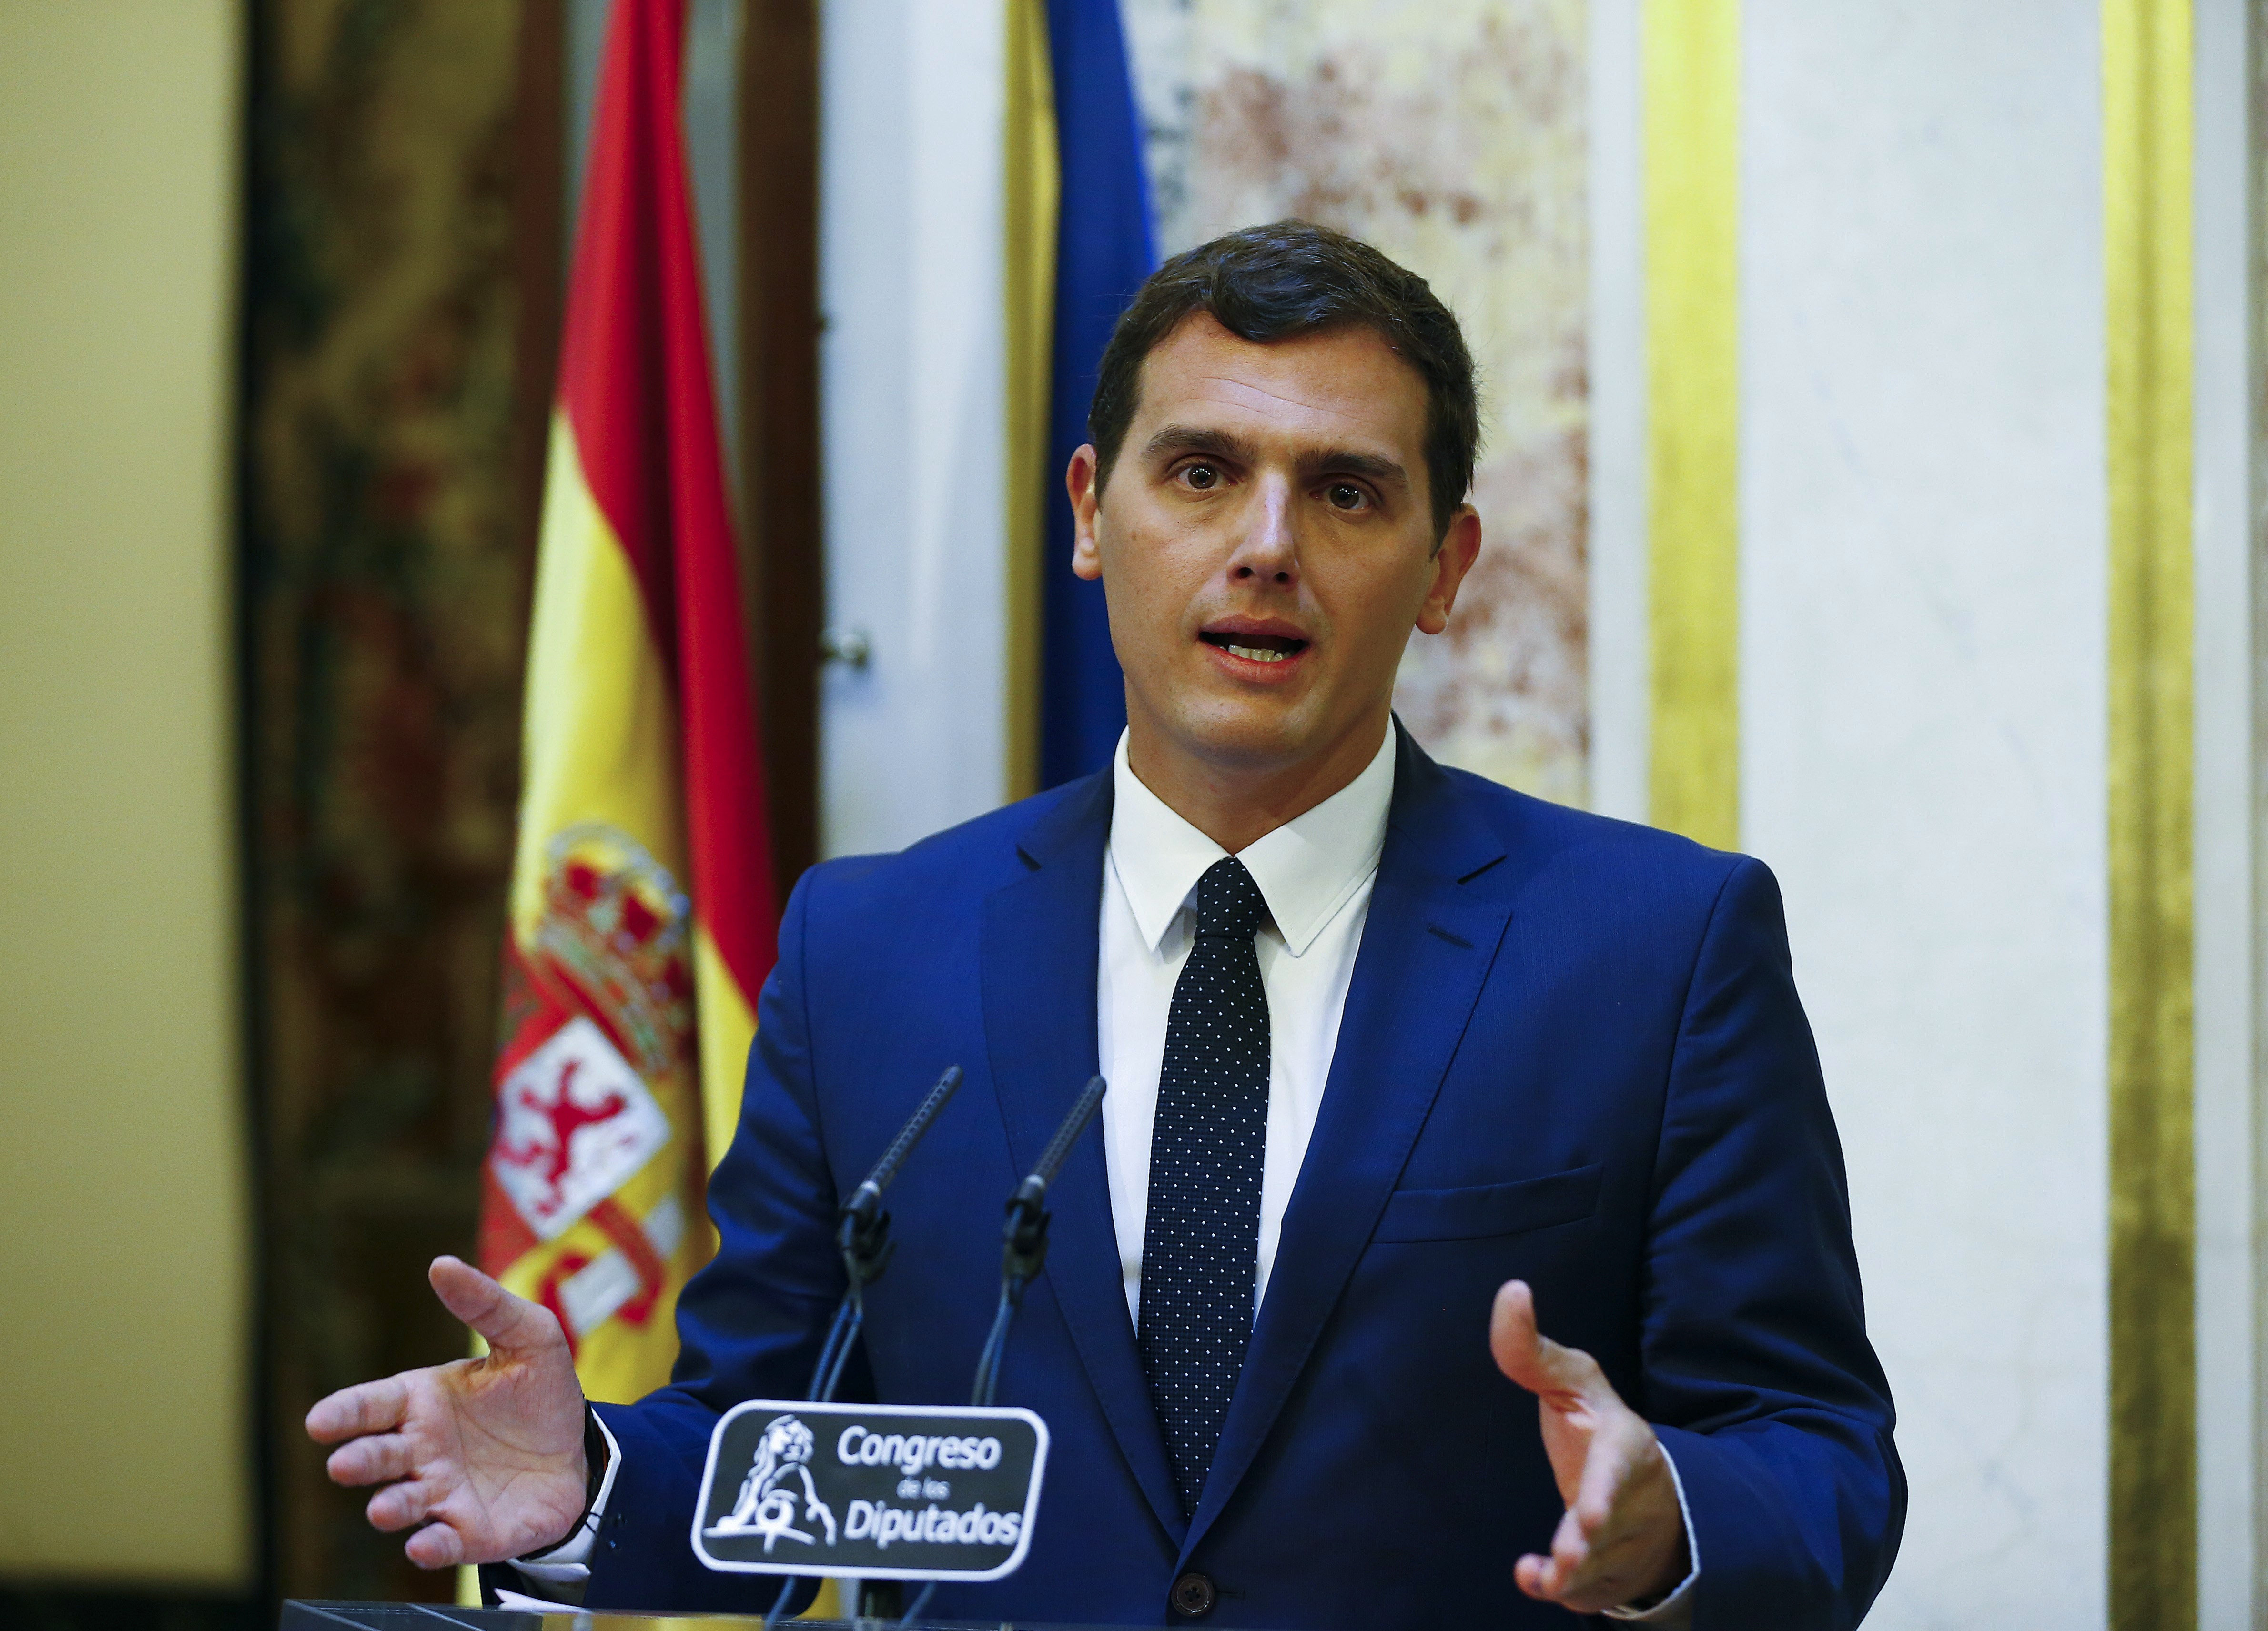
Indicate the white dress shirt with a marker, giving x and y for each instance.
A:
(1316, 873)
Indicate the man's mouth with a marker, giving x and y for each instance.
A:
(1255, 648)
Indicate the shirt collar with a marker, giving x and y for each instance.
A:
(1307, 869)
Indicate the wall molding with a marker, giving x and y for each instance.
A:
(2147, 225)
(1690, 74)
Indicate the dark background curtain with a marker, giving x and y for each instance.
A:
(401, 277)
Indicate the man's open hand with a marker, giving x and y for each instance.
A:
(484, 1455)
(1623, 1539)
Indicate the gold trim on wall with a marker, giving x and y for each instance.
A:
(2147, 141)
(1031, 187)
(1690, 80)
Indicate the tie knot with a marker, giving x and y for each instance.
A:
(1228, 901)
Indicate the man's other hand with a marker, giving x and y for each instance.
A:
(482, 1457)
(1622, 1540)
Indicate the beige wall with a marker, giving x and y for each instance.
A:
(124, 1239)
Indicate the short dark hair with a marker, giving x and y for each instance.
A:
(1290, 278)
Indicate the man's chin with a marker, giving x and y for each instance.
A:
(1245, 733)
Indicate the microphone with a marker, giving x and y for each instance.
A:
(1024, 1239)
(863, 1231)
(862, 1237)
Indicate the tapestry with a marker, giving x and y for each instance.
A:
(1452, 134)
(385, 567)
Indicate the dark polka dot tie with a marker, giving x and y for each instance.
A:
(1200, 1243)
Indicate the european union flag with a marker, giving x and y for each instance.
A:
(1104, 248)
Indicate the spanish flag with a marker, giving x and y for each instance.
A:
(642, 913)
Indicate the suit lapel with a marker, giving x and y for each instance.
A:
(1427, 949)
(1040, 940)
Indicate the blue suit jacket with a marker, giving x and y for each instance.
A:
(1571, 1053)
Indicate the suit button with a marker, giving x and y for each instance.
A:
(1194, 1595)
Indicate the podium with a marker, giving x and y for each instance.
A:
(315, 1616)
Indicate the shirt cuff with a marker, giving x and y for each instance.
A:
(1675, 1611)
(569, 1563)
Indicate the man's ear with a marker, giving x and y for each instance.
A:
(1460, 545)
(1085, 503)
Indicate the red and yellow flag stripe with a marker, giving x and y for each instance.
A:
(642, 912)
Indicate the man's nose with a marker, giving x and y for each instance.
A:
(1269, 552)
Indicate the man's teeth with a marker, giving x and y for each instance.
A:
(1257, 654)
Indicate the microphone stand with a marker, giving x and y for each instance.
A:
(862, 1234)
(1024, 1249)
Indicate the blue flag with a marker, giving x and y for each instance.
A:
(1104, 248)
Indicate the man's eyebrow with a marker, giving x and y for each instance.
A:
(1179, 441)
(1175, 441)
(1348, 462)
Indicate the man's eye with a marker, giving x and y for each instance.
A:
(1345, 496)
(1204, 478)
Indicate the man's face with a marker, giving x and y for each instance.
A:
(1267, 542)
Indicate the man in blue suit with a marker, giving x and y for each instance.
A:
(1401, 1061)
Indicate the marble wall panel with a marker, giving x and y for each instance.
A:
(1923, 669)
(1451, 135)
(2231, 754)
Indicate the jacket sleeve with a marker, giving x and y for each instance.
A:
(749, 1326)
(1758, 1373)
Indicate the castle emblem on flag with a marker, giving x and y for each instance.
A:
(613, 933)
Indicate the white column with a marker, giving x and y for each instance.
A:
(911, 229)
(1620, 702)
(2228, 880)
(1923, 705)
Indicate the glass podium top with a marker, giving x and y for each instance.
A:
(304, 1616)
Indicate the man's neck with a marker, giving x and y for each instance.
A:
(1236, 805)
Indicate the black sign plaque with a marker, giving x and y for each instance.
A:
(884, 1492)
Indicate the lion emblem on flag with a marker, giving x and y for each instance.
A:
(600, 1007)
